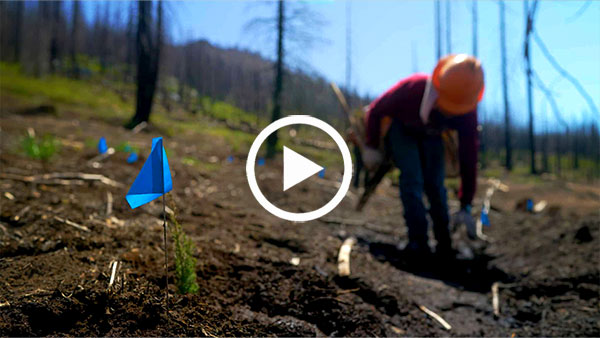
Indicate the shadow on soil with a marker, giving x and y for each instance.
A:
(475, 274)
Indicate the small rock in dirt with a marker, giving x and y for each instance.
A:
(49, 245)
(584, 235)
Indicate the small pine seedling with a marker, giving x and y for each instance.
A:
(40, 148)
(185, 263)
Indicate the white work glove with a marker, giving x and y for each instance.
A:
(464, 217)
(371, 158)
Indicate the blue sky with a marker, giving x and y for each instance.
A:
(386, 35)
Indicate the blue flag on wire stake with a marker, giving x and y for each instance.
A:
(529, 205)
(154, 180)
(322, 173)
(102, 147)
(132, 158)
(485, 220)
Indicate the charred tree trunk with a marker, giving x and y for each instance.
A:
(55, 22)
(507, 140)
(438, 30)
(576, 137)
(131, 43)
(75, 38)
(276, 114)
(104, 38)
(529, 13)
(545, 163)
(40, 60)
(474, 27)
(596, 148)
(448, 27)
(558, 155)
(18, 31)
(148, 48)
(348, 46)
(482, 139)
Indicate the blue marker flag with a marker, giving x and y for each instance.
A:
(102, 147)
(322, 173)
(261, 161)
(229, 158)
(132, 158)
(484, 218)
(529, 205)
(154, 180)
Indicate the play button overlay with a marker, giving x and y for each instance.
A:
(297, 168)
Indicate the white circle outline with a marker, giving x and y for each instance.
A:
(251, 175)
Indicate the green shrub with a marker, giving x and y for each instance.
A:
(40, 148)
(185, 263)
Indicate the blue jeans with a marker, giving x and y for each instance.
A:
(420, 158)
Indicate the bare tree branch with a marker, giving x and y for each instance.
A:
(542, 87)
(580, 11)
(564, 73)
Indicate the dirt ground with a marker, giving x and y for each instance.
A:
(54, 277)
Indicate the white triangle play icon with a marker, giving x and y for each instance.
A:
(296, 168)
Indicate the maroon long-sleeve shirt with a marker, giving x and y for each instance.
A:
(402, 102)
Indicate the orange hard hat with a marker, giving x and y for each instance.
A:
(458, 79)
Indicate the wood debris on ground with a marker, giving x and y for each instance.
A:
(344, 257)
(73, 224)
(62, 178)
(436, 317)
(495, 300)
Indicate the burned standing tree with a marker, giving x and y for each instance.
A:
(131, 42)
(148, 49)
(507, 140)
(40, 59)
(104, 45)
(276, 113)
(529, 17)
(448, 27)
(294, 25)
(438, 30)
(475, 52)
(550, 99)
(18, 31)
(75, 29)
(349, 51)
(565, 74)
(545, 162)
(54, 24)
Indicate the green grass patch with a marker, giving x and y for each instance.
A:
(204, 166)
(61, 90)
(224, 111)
(238, 140)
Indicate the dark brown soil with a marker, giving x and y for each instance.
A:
(54, 278)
